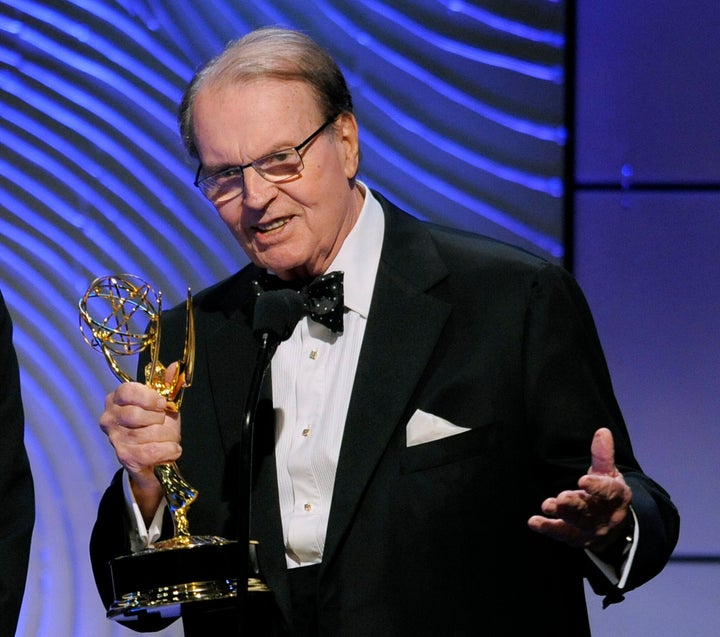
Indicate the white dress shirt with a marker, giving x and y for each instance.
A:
(312, 378)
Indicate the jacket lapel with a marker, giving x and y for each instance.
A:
(403, 326)
(230, 349)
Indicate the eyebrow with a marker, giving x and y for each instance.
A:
(209, 169)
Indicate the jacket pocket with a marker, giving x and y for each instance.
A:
(463, 446)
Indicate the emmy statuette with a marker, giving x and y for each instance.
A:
(120, 316)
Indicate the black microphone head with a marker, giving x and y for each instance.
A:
(277, 312)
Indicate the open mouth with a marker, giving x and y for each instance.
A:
(272, 226)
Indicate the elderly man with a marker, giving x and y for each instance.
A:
(445, 458)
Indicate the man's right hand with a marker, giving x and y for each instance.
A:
(143, 434)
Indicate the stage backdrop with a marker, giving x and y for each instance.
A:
(461, 115)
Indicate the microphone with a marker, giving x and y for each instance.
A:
(277, 312)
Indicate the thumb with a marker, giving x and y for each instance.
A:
(603, 453)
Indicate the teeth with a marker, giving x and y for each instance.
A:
(279, 223)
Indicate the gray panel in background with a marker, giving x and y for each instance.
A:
(648, 88)
(650, 267)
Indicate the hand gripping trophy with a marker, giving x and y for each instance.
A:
(120, 316)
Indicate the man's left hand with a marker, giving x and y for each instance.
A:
(595, 515)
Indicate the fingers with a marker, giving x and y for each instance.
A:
(140, 430)
(588, 516)
(132, 405)
(566, 501)
(604, 487)
(139, 458)
(135, 394)
(560, 530)
(572, 507)
(583, 518)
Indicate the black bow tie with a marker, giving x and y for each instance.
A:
(322, 297)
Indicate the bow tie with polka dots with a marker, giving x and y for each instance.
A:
(322, 297)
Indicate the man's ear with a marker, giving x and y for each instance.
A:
(348, 129)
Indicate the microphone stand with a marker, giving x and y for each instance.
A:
(276, 315)
(267, 349)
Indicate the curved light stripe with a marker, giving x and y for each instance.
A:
(114, 20)
(506, 25)
(459, 152)
(553, 73)
(555, 134)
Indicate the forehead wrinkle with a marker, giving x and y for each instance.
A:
(219, 100)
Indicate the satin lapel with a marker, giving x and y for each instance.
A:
(404, 324)
(230, 352)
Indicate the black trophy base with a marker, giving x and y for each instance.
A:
(161, 581)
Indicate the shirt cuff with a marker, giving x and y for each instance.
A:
(141, 536)
(618, 576)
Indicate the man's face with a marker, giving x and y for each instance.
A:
(294, 228)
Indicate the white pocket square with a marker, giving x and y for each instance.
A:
(424, 427)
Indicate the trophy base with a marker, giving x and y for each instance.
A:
(175, 572)
(186, 542)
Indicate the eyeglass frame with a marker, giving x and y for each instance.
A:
(241, 168)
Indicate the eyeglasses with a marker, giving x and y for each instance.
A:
(275, 167)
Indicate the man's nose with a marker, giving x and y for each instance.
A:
(257, 190)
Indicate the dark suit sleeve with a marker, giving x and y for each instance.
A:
(111, 538)
(572, 391)
(17, 499)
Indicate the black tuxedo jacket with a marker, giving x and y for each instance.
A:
(17, 495)
(428, 540)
